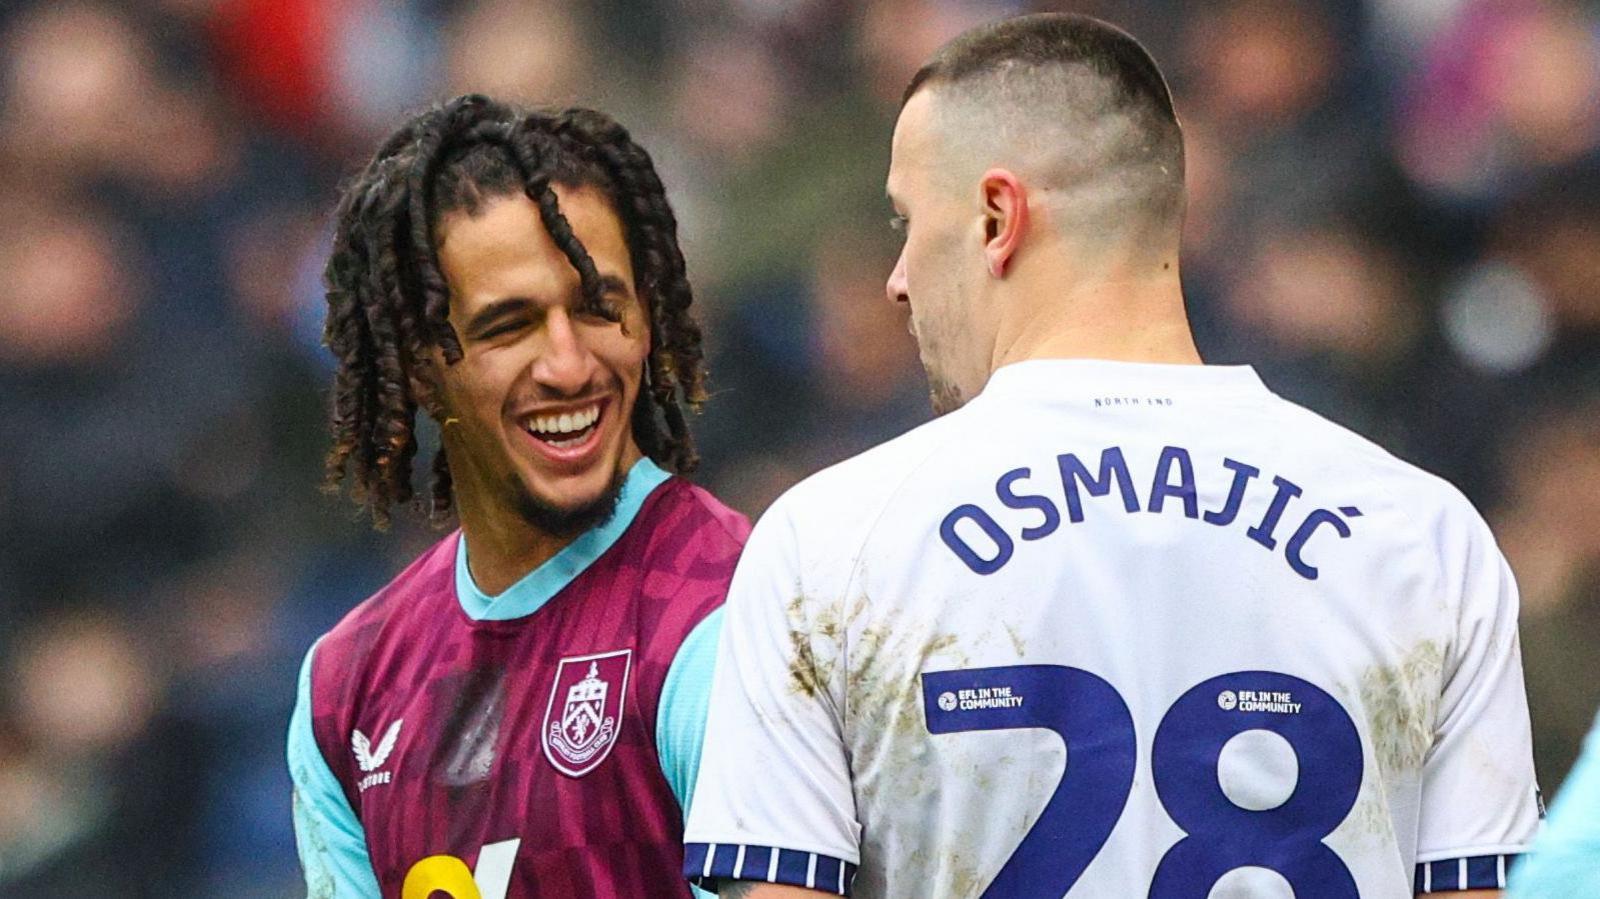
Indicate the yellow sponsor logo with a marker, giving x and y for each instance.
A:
(449, 875)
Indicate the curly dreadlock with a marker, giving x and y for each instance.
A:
(388, 304)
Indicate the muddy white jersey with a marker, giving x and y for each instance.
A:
(1119, 630)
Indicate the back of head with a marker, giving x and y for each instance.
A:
(1077, 108)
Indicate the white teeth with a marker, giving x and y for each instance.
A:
(566, 423)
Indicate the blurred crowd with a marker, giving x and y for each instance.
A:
(1395, 215)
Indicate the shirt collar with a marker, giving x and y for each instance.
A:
(541, 584)
(1091, 378)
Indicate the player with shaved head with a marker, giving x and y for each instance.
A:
(1119, 624)
(1084, 159)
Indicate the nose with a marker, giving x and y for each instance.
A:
(566, 365)
(896, 288)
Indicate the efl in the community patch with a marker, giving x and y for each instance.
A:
(584, 716)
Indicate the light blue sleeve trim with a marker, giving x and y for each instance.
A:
(1565, 859)
(540, 585)
(685, 700)
(681, 717)
(332, 844)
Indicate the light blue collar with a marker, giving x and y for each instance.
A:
(541, 584)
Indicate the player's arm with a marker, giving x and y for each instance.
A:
(681, 718)
(1479, 807)
(773, 801)
(1565, 861)
(332, 843)
(685, 702)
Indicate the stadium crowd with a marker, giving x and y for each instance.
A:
(1394, 214)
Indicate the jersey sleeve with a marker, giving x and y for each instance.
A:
(1565, 861)
(332, 844)
(774, 802)
(685, 700)
(681, 720)
(1480, 806)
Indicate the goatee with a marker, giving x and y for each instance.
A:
(569, 522)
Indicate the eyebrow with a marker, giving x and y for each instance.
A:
(508, 306)
(496, 310)
(608, 284)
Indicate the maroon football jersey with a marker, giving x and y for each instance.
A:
(525, 746)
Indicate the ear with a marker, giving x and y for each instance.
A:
(1005, 218)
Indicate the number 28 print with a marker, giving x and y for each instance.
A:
(1093, 720)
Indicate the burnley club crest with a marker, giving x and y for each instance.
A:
(585, 710)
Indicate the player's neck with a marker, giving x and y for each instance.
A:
(1134, 318)
(504, 548)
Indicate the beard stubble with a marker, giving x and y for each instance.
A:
(568, 522)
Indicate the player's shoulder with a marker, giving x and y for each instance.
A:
(415, 593)
(846, 498)
(684, 544)
(682, 535)
(1427, 500)
(699, 514)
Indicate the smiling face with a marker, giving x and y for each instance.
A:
(537, 413)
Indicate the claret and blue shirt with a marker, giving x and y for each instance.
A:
(542, 742)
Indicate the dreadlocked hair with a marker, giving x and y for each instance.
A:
(388, 302)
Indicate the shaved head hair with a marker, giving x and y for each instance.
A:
(1077, 108)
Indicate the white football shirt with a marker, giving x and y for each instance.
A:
(1119, 630)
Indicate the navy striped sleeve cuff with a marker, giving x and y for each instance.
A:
(705, 864)
(1481, 872)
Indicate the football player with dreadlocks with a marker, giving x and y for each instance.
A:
(519, 712)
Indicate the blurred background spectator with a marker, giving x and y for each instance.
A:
(1395, 215)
